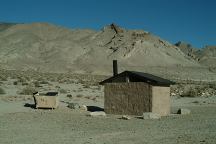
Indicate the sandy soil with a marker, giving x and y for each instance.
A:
(20, 125)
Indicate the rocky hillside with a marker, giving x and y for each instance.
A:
(205, 56)
(4, 26)
(50, 48)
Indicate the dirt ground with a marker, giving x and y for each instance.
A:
(24, 125)
(21, 124)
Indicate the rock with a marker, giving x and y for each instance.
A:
(97, 113)
(83, 107)
(124, 117)
(183, 111)
(73, 105)
(150, 115)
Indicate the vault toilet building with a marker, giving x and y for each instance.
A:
(134, 93)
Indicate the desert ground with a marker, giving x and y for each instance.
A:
(20, 123)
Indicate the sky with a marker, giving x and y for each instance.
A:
(192, 21)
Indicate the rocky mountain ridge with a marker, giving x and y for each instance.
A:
(46, 47)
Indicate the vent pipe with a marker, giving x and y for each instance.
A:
(115, 67)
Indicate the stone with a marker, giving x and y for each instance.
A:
(73, 105)
(150, 115)
(125, 117)
(183, 111)
(97, 113)
(83, 107)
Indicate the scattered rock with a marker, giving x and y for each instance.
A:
(183, 111)
(97, 113)
(73, 105)
(125, 117)
(83, 107)
(150, 115)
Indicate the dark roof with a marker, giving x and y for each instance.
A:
(139, 77)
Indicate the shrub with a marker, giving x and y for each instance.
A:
(63, 91)
(192, 92)
(69, 96)
(79, 96)
(2, 91)
(15, 83)
(28, 90)
(36, 83)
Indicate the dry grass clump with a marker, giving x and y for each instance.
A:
(79, 96)
(69, 96)
(63, 91)
(191, 92)
(15, 83)
(2, 91)
(3, 78)
(86, 86)
(87, 97)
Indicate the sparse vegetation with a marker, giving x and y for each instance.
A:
(79, 96)
(29, 90)
(69, 96)
(15, 83)
(2, 91)
(63, 91)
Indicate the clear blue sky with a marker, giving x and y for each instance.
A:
(192, 21)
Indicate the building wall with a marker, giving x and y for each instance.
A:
(127, 98)
(161, 100)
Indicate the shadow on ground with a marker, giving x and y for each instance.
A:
(94, 108)
(29, 105)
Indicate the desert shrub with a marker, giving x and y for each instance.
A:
(3, 78)
(15, 83)
(191, 92)
(63, 91)
(69, 96)
(22, 80)
(25, 83)
(79, 96)
(2, 91)
(36, 83)
(86, 86)
(213, 86)
(88, 97)
(28, 90)
(44, 82)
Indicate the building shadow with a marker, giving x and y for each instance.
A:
(94, 108)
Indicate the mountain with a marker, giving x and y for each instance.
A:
(49, 48)
(4, 26)
(205, 56)
(187, 49)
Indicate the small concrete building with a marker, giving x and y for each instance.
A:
(133, 93)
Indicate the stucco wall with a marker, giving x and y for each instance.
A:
(161, 100)
(127, 98)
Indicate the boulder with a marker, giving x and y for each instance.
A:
(97, 113)
(83, 107)
(125, 117)
(183, 111)
(150, 115)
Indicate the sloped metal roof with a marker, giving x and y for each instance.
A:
(139, 77)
